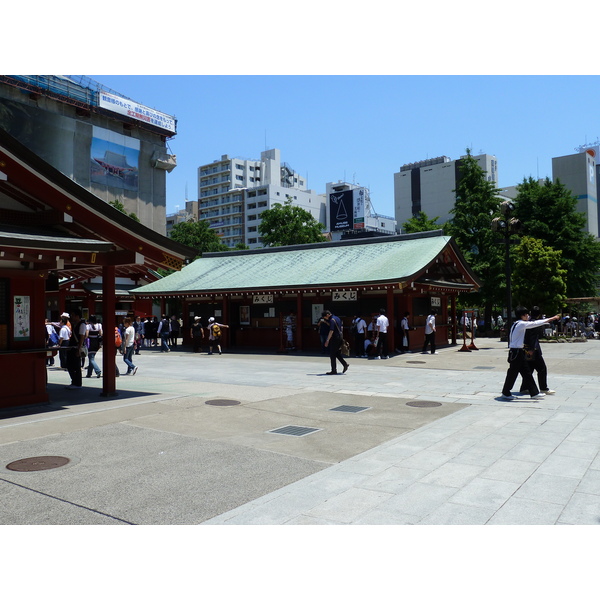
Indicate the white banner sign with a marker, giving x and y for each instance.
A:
(129, 108)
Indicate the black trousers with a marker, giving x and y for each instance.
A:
(74, 366)
(537, 364)
(335, 353)
(359, 344)
(382, 345)
(518, 366)
(429, 339)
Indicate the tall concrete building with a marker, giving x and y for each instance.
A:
(234, 192)
(428, 186)
(579, 174)
(111, 145)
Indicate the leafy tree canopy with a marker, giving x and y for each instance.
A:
(286, 225)
(475, 206)
(420, 222)
(548, 212)
(198, 235)
(537, 262)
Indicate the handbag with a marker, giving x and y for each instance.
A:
(345, 348)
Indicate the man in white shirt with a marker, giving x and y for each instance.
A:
(382, 328)
(129, 343)
(360, 330)
(404, 335)
(430, 332)
(516, 354)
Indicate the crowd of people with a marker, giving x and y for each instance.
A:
(74, 341)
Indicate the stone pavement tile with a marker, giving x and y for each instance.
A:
(546, 438)
(349, 505)
(570, 416)
(582, 509)
(521, 511)
(589, 423)
(589, 436)
(529, 452)
(458, 514)
(596, 463)
(452, 474)
(426, 460)
(486, 493)
(418, 499)
(306, 520)
(590, 483)
(565, 466)
(577, 449)
(548, 488)
(393, 480)
(380, 516)
(480, 455)
(516, 471)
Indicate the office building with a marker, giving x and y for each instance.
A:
(428, 186)
(579, 174)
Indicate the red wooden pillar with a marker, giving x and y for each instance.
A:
(109, 382)
(390, 315)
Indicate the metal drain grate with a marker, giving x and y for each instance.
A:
(294, 430)
(423, 404)
(222, 402)
(350, 409)
(38, 463)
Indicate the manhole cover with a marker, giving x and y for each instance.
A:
(350, 409)
(38, 463)
(294, 430)
(423, 404)
(417, 362)
(222, 402)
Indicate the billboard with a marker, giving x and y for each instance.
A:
(347, 210)
(114, 159)
(129, 108)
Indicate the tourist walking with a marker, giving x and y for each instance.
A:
(430, 332)
(215, 334)
(334, 341)
(94, 335)
(129, 345)
(517, 359)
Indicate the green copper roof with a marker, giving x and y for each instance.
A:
(394, 258)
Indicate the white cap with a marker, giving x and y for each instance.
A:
(211, 319)
(66, 315)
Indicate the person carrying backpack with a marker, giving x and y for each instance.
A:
(214, 334)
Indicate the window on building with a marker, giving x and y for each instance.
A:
(239, 177)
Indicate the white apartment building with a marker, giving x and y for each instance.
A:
(428, 186)
(233, 193)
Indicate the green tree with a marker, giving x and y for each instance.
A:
(198, 235)
(420, 222)
(548, 212)
(286, 225)
(475, 206)
(120, 206)
(536, 262)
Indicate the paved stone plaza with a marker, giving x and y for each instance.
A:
(159, 454)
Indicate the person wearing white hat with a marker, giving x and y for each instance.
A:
(197, 334)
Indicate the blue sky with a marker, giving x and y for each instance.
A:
(344, 90)
(363, 128)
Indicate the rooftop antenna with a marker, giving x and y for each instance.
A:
(186, 191)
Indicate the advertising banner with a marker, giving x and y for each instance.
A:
(129, 108)
(347, 210)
